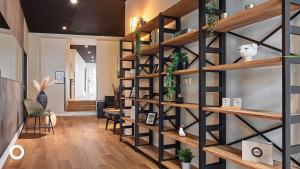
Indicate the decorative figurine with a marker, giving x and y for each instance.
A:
(248, 51)
(181, 132)
(249, 6)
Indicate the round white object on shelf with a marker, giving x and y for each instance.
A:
(53, 119)
(11, 152)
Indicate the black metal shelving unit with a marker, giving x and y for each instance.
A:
(205, 67)
(125, 87)
(271, 8)
(204, 50)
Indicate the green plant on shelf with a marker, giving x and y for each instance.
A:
(178, 59)
(185, 155)
(137, 33)
(211, 17)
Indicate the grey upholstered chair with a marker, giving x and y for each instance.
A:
(35, 110)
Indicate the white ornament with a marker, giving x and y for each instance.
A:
(53, 119)
(248, 51)
(181, 132)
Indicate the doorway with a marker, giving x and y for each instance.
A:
(81, 84)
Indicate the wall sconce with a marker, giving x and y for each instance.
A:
(134, 23)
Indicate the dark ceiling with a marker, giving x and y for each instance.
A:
(84, 52)
(88, 17)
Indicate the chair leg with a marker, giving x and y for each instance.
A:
(39, 125)
(115, 125)
(34, 125)
(107, 120)
(50, 123)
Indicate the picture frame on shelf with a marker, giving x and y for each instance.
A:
(59, 77)
(151, 119)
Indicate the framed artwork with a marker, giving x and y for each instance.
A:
(151, 118)
(60, 77)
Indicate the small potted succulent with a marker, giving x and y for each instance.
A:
(185, 156)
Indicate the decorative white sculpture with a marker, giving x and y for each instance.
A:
(181, 132)
(248, 51)
(53, 119)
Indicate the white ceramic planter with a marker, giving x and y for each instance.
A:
(185, 165)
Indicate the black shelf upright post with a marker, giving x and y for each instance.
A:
(121, 85)
(286, 109)
(204, 49)
(162, 62)
(138, 109)
(161, 88)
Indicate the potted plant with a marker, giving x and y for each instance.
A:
(185, 156)
(179, 61)
(211, 17)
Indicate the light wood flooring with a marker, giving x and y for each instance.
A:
(78, 143)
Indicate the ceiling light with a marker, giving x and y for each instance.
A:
(74, 1)
(64, 27)
(86, 46)
(89, 52)
(92, 57)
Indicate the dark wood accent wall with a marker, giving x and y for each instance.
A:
(11, 111)
(13, 14)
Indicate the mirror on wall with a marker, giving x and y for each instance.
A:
(11, 53)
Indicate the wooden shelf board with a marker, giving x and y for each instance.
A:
(183, 39)
(127, 78)
(260, 12)
(179, 9)
(184, 72)
(246, 65)
(250, 113)
(148, 101)
(127, 98)
(152, 49)
(183, 105)
(152, 151)
(153, 128)
(235, 155)
(129, 57)
(128, 119)
(152, 75)
(130, 140)
(174, 164)
(189, 139)
(178, 72)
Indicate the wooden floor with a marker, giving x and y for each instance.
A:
(78, 143)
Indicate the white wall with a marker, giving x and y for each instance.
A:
(259, 88)
(54, 52)
(91, 79)
(107, 54)
(80, 68)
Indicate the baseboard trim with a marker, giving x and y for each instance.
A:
(12, 143)
(78, 113)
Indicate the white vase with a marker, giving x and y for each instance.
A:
(185, 165)
(181, 132)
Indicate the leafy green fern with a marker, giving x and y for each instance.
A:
(177, 59)
(185, 155)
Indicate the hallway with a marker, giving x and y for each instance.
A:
(78, 143)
